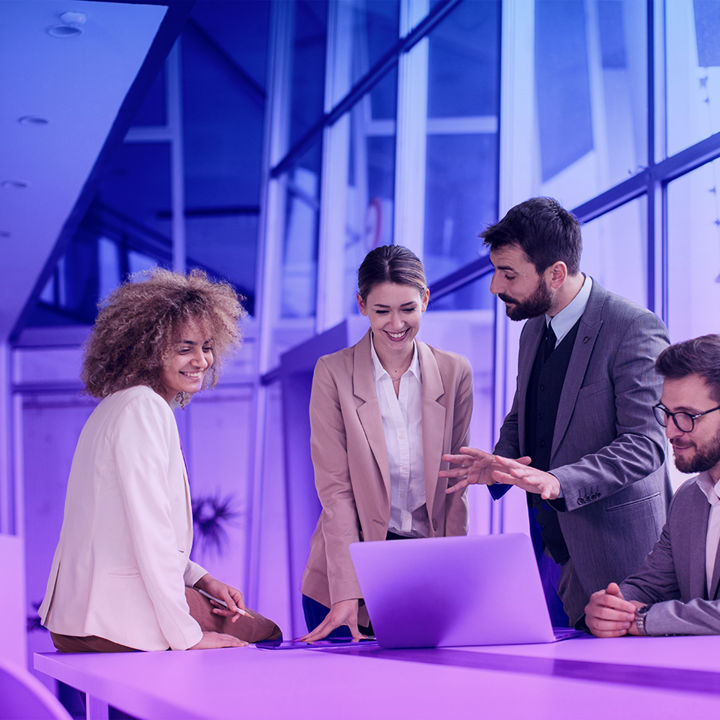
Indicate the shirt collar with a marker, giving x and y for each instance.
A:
(710, 489)
(563, 322)
(379, 370)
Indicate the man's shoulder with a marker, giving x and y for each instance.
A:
(615, 304)
(616, 312)
(691, 485)
(687, 493)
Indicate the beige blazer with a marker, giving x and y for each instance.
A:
(122, 561)
(350, 459)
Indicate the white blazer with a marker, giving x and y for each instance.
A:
(122, 561)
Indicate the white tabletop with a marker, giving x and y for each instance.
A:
(579, 678)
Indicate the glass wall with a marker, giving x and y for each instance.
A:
(578, 77)
(615, 250)
(439, 115)
(692, 28)
(693, 253)
(369, 211)
(462, 128)
(300, 250)
(306, 91)
(375, 27)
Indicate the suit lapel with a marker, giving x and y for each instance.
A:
(715, 580)
(697, 524)
(588, 330)
(530, 341)
(433, 423)
(369, 409)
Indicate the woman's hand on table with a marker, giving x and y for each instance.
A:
(344, 612)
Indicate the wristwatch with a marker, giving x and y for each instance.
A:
(640, 615)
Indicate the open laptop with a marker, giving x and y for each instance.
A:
(474, 590)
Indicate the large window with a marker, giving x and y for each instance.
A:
(693, 260)
(576, 84)
(299, 260)
(692, 28)
(370, 179)
(439, 115)
(615, 250)
(462, 139)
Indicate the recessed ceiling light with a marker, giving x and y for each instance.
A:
(14, 184)
(64, 31)
(73, 18)
(33, 120)
(71, 25)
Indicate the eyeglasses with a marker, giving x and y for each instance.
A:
(684, 422)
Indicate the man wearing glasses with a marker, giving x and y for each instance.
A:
(675, 591)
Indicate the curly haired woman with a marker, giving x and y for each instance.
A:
(122, 578)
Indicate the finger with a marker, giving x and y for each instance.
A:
(235, 603)
(314, 636)
(608, 633)
(457, 487)
(611, 606)
(500, 476)
(615, 602)
(454, 459)
(508, 463)
(613, 615)
(357, 636)
(320, 632)
(614, 589)
(229, 597)
(232, 641)
(455, 472)
(224, 612)
(550, 491)
(610, 625)
(238, 598)
(476, 453)
(524, 460)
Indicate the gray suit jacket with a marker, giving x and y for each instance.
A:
(672, 577)
(608, 452)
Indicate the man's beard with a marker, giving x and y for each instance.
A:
(705, 457)
(537, 304)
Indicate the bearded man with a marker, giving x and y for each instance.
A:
(675, 591)
(580, 437)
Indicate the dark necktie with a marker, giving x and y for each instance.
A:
(549, 340)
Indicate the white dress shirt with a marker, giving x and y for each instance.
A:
(402, 425)
(564, 321)
(712, 493)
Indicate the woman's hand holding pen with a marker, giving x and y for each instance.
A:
(227, 600)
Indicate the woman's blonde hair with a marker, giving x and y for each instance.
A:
(140, 320)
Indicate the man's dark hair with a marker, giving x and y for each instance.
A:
(699, 356)
(544, 230)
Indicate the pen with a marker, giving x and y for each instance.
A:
(220, 602)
